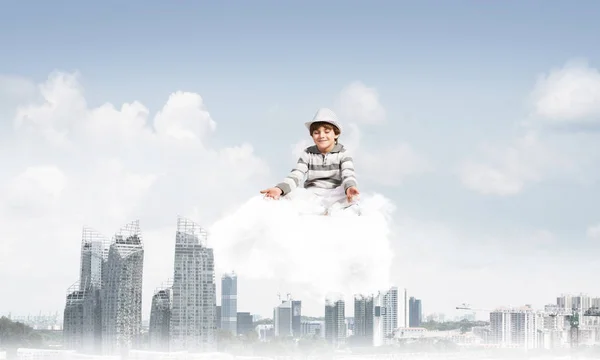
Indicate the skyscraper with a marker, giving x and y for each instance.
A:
(229, 303)
(363, 319)
(415, 312)
(282, 319)
(122, 291)
(386, 316)
(193, 315)
(82, 321)
(335, 321)
(297, 318)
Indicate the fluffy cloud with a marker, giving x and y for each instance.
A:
(359, 103)
(569, 95)
(567, 98)
(69, 165)
(507, 171)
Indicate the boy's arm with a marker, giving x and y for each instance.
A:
(292, 181)
(347, 169)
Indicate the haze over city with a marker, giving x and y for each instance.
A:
(473, 128)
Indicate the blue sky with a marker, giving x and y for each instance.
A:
(452, 77)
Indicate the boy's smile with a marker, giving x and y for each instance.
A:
(324, 138)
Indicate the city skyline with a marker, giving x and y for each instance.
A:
(489, 112)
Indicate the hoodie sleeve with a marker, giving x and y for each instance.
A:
(347, 170)
(297, 174)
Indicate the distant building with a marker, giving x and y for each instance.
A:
(122, 291)
(335, 322)
(193, 317)
(385, 319)
(160, 319)
(296, 318)
(282, 319)
(244, 323)
(82, 317)
(415, 312)
(229, 303)
(363, 320)
(520, 327)
(218, 317)
(313, 328)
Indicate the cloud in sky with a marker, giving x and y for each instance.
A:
(71, 165)
(567, 98)
(568, 95)
(360, 104)
(68, 164)
(506, 171)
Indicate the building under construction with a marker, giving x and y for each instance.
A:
(122, 291)
(160, 318)
(103, 311)
(82, 320)
(193, 324)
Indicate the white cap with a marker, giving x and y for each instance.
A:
(325, 115)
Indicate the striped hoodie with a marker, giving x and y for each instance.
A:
(326, 171)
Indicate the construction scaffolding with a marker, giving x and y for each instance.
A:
(122, 291)
(193, 314)
(94, 253)
(73, 317)
(160, 317)
(82, 315)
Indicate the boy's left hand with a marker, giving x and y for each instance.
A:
(351, 192)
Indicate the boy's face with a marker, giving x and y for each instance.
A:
(324, 137)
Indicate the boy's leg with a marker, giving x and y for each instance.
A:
(337, 201)
(312, 201)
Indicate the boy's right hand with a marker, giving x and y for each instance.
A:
(273, 192)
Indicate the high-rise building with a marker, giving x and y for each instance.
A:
(122, 291)
(415, 312)
(385, 319)
(363, 319)
(193, 313)
(160, 319)
(335, 322)
(297, 318)
(229, 303)
(82, 319)
(282, 319)
(516, 327)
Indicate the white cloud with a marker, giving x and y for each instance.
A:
(70, 165)
(359, 103)
(391, 165)
(568, 95)
(507, 171)
(35, 191)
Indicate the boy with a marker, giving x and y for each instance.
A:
(327, 165)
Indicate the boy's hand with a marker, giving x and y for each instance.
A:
(352, 192)
(273, 192)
